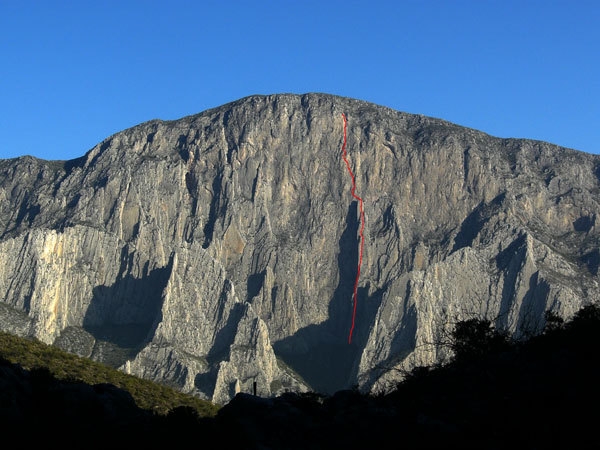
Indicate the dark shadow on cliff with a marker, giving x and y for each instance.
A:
(475, 222)
(402, 344)
(321, 353)
(225, 336)
(122, 317)
(509, 261)
(533, 307)
(592, 261)
(215, 210)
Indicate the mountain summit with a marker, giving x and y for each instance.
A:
(218, 253)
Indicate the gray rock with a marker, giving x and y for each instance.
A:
(221, 249)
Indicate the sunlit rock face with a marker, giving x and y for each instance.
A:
(218, 253)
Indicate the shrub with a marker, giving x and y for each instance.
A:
(474, 338)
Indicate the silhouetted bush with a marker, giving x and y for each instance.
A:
(589, 315)
(474, 338)
(553, 322)
(417, 373)
(585, 327)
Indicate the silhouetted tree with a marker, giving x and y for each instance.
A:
(474, 338)
(585, 326)
(588, 315)
(553, 322)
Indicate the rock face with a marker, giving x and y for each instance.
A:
(219, 252)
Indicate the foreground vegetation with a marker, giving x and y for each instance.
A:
(495, 393)
(31, 354)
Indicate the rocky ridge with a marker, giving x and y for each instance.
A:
(218, 252)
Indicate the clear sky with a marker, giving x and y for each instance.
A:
(75, 72)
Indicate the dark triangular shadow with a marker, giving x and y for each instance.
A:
(321, 354)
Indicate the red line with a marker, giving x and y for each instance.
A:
(362, 227)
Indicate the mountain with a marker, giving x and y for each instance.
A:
(218, 253)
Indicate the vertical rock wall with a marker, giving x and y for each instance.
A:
(221, 249)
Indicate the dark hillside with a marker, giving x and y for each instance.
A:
(539, 393)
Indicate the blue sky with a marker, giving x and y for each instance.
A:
(75, 72)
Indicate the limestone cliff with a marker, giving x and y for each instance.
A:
(220, 250)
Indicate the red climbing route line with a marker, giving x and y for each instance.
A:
(362, 227)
